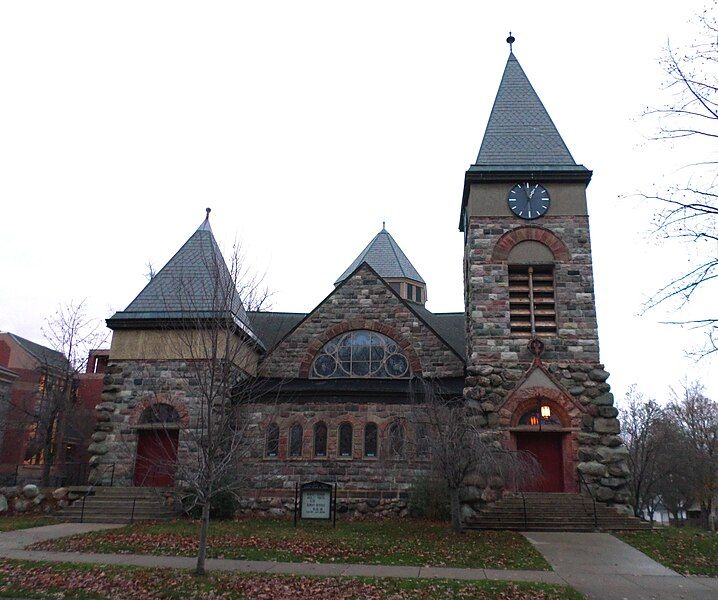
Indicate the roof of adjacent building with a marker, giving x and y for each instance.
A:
(385, 256)
(45, 355)
(195, 283)
(520, 131)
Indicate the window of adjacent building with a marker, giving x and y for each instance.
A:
(361, 354)
(417, 294)
(396, 441)
(396, 286)
(345, 439)
(371, 438)
(296, 435)
(320, 439)
(272, 442)
(532, 302)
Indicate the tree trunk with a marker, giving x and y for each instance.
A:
(203, 530)
(455, 510)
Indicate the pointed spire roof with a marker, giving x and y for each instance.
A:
(386, 258)
(519, 131)
(195, 283)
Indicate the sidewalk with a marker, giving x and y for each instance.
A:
(604, 568)
(13, 543)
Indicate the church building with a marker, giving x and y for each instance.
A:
(341, 380)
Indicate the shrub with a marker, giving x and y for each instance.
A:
(429, 497)
(222, 506)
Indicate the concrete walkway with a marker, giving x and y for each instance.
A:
(13, 543)
(605, 568)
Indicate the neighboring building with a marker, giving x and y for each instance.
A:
(524, 352)
(30, 376)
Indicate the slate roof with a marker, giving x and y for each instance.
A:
(195, 283)
(47, 356)
(272, 327)
(451, 327)
(519, 131)
(386, 258)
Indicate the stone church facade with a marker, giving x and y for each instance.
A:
(343, 376)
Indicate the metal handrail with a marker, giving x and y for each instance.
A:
(526, 519)
(581, 480)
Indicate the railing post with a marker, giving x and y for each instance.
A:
(112, 475)
(132, 516)
(82, 512)
(526, 521)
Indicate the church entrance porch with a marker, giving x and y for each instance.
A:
(547, 448)
(156, 460)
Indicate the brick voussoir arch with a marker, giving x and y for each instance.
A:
(530, 232)
(150, 400)
(352, 325)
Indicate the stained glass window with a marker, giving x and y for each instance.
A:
(345, 439)
(295, 440)
(272, 448)
(370, 440)
(533, 417)
(361, 354)
(320, 439)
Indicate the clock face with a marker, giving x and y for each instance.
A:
(529, 200)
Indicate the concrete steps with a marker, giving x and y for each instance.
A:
(118, 505)
(551, 512)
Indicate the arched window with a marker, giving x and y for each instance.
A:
(320, 439)
(159, 413)
(361, 354)
(540, 416)
(396, 441)
(272, 442)
(423, 441)
(345, 439)
(296, 437)
(370, 440)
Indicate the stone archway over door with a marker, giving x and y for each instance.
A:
(156, 461)
(547, 448)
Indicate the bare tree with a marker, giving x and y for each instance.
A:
(689, 213)
(639, 418)
(72, 333)
(697, 417)
(459, 448)
(208, 327)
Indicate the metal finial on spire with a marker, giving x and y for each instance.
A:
(209, 210)
(510, 40)
(383, 225)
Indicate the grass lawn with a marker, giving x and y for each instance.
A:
(404, 542)
(685, 549)
(22, 579)
(13, 523)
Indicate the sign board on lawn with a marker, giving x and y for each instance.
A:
(315, 500)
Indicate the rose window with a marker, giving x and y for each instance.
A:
(361, 354)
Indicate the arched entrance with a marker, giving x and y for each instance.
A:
(157, 442)
(539, 432)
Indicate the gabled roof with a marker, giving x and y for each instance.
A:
(519, 131)
(272, 327)
(386, 258)
(195, 283)
(47, 356)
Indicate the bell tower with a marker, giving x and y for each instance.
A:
(533, 362)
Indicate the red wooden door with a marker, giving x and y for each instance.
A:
(156, 458)
(546, 447)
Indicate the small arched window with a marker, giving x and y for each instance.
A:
(370, 440)
(345, 439)
(361, 354)
(272, 441)
(296, 437)
(320, 439)
(159, 413)
(396, 441)
(423, 441)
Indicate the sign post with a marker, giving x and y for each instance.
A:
(317, 501)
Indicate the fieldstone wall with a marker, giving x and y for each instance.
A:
(363, 301)
(31, 500)
(378, 486)
(130, 387)
(498, 361)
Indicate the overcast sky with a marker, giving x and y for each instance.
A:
(304, 125)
